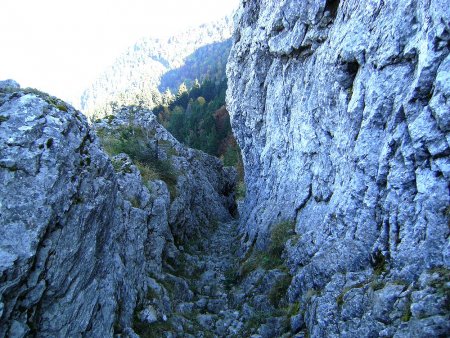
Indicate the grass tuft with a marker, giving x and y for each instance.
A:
(271, 258)
(240, 191)
(379, 262)
(406, 316)
(279, 236)
(135, 142)
(278, 292)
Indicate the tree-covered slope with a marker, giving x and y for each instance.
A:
(198, 118)
(135, 76)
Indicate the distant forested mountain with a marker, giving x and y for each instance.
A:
(207, 62)
(147, 69)
(182, 80)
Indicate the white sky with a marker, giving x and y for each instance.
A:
(60, 46)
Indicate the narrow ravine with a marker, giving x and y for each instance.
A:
(197, 284)
(215, 258)
(209, 290)
(190, 294)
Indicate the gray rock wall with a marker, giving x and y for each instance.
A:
(79, 237)
(71, 247)
(341, 110)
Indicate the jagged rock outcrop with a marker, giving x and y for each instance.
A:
(80, 237)
(203, 193)
(341, 111)
(8, 84)
(72, 246)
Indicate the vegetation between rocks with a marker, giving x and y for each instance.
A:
(278, 292)
(135, 142)
(240, 191)
(270, 258)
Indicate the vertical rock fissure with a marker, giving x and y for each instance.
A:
(332, 6)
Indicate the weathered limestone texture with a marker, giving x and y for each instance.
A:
(72, 247)
(341, 110)
(81, 238)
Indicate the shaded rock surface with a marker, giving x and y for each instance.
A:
(341, 111)
(81, 238)
(204, 191)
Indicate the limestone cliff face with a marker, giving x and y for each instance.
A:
(79, 237)
(341, 109)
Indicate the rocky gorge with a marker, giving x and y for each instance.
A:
(341, 110)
